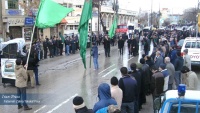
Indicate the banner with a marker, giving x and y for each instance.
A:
(8, 68)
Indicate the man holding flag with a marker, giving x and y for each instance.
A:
(49, 14)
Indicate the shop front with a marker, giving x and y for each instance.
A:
(20, 27)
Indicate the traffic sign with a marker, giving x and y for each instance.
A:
(29, 21)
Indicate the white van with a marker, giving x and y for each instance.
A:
(193, 46)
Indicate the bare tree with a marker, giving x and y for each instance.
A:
(143, 19)
(190, 15)
(97, 4)
(155, 19)
(166, 22)
(29, 6)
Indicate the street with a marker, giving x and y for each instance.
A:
(64, 77)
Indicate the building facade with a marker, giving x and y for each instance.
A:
(14, 21)
(107, 13)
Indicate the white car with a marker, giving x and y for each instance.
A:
(193, 46)
(172, 103)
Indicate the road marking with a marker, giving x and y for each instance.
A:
(59, 105)
(109, 72)
(39, 109)
(130, 58)
(106, 69)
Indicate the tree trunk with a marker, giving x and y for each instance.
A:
(102, 24)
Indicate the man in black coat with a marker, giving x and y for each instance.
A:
(178, 64)
(121, 45)
(129, 45)
(57, 46)
(106, 43)
(54, 46)
(51, 48)
(145, 72)
(134, 46)
(45, 45)
(73, 45)
(146, 46)
(60, 46)
(137, 76)
(30, 68)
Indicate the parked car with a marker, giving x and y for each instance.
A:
(193, 46)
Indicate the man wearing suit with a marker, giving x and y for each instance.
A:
(158, 59)
(171, 70)
(106, 43)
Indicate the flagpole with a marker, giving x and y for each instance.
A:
(30, 47)
(91, 45)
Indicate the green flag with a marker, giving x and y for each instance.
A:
(111, 32)
(83, 28)
(50, 13)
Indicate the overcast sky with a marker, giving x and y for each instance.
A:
(176, 6)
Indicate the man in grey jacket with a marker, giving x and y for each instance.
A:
(158, 59)
(171, 70)
(21, 84)
(187, 59)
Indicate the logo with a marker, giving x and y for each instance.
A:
(194, 56)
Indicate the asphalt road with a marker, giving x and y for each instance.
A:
(64, 77)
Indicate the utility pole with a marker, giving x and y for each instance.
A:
(117, 8)
(197, 30)
(98, 17)
(1, 21)
(148, 19)
(159, 15)
(151, 11)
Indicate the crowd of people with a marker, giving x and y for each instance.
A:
(157, 73)
(163, 70)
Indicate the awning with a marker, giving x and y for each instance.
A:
(63, 21)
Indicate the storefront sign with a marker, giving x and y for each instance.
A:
(8, 68)
(16, 21)
(29, 21)
(13, 12)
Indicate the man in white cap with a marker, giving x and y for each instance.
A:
(79, 105)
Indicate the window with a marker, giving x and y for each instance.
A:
(12, 4)
(76, 27)
(131, 27)
(89, 27)
(96, 27)
(198, 45)
(69, 5)
(193, 45)
(71, 27)
(185, 108)
(187, 45)
(121, 26)
(10, 51)
(68, 27)
(79, 6)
